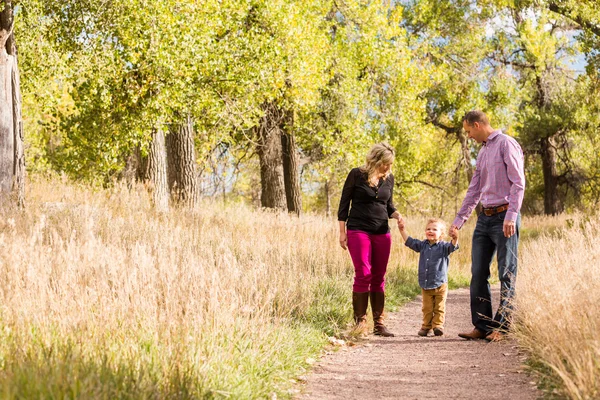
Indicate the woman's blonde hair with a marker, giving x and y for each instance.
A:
(380, 154)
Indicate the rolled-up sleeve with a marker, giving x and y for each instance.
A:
(513, 158)
(450, 248)
(414, 244)
(346, 197)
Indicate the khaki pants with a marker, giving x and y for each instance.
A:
(434, 307)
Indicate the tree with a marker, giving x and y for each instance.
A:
(12, 157)
(181, 162)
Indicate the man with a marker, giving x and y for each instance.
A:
(499, 183)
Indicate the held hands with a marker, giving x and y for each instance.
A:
(401, 224)
(398, 216)
(454, 233)
(508, 228)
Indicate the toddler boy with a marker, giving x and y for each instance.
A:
(434, 257)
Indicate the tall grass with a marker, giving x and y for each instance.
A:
(558, 312)
(101, 297)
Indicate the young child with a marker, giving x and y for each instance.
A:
(434, 257)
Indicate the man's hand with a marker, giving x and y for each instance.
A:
(508, 228)
(344, 240)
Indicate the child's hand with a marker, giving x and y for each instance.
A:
(454, 233)
(401, 224)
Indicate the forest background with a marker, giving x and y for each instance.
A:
(231, 109)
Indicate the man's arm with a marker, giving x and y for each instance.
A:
(470, 202)
(513, 158)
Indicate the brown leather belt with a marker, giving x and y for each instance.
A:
(489, 211)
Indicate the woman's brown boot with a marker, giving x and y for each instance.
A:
(377, 304)
(360, 302)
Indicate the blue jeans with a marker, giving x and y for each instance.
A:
(488, 239)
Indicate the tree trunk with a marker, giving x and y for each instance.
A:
(291, 177)
(552, 202)
(12, 158)
(269, 154)
(327, 198)
(181, 156)
(466, 153)
(155, 171)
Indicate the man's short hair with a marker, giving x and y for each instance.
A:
(476, 116)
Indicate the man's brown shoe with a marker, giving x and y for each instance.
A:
(495, 336)
(474, 334)
(438, 331)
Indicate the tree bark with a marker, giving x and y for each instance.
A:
(327, 198)
(552, 202)
(291, 177)
(181, 156)
(270, 157)
(155, 171)
(12, 158)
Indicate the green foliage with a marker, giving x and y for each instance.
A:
(97, 80)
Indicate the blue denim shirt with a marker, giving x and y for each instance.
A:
(433, 261)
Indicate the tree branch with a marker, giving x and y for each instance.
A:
(565, 11)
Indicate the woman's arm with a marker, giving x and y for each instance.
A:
(347, 191)
(391, 209)
(344, 208)
(343, 235)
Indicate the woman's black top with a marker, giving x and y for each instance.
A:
(372, 207)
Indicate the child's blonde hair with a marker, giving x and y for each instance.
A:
(440, 222)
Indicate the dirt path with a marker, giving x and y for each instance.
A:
(412, 367)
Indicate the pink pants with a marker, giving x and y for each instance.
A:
(370, 254)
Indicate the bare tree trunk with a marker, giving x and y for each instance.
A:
(155, 171)
(327, 198)
(552, 202)
(269, 153)
(12, 158)
(291, 177)
(181, 155)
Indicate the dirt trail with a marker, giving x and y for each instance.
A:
(412, 367)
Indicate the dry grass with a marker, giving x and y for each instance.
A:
(101, 297)
(558, 317)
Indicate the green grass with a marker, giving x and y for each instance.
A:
(236, 363)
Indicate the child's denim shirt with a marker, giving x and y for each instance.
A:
(433, 261)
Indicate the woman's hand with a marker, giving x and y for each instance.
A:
(344, 240)
(397, 215)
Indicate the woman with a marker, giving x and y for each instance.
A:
(365, 232)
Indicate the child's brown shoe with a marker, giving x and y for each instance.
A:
(423, 332)
(438, 331)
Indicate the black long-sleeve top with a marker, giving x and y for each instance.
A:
(372, 207)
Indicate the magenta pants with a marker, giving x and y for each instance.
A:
(370, 254)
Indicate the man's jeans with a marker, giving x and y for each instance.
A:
(488, 239)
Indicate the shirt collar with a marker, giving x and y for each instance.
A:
(492, 136)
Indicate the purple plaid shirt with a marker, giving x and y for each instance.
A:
(498, 179)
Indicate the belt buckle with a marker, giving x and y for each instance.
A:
(488, 212)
